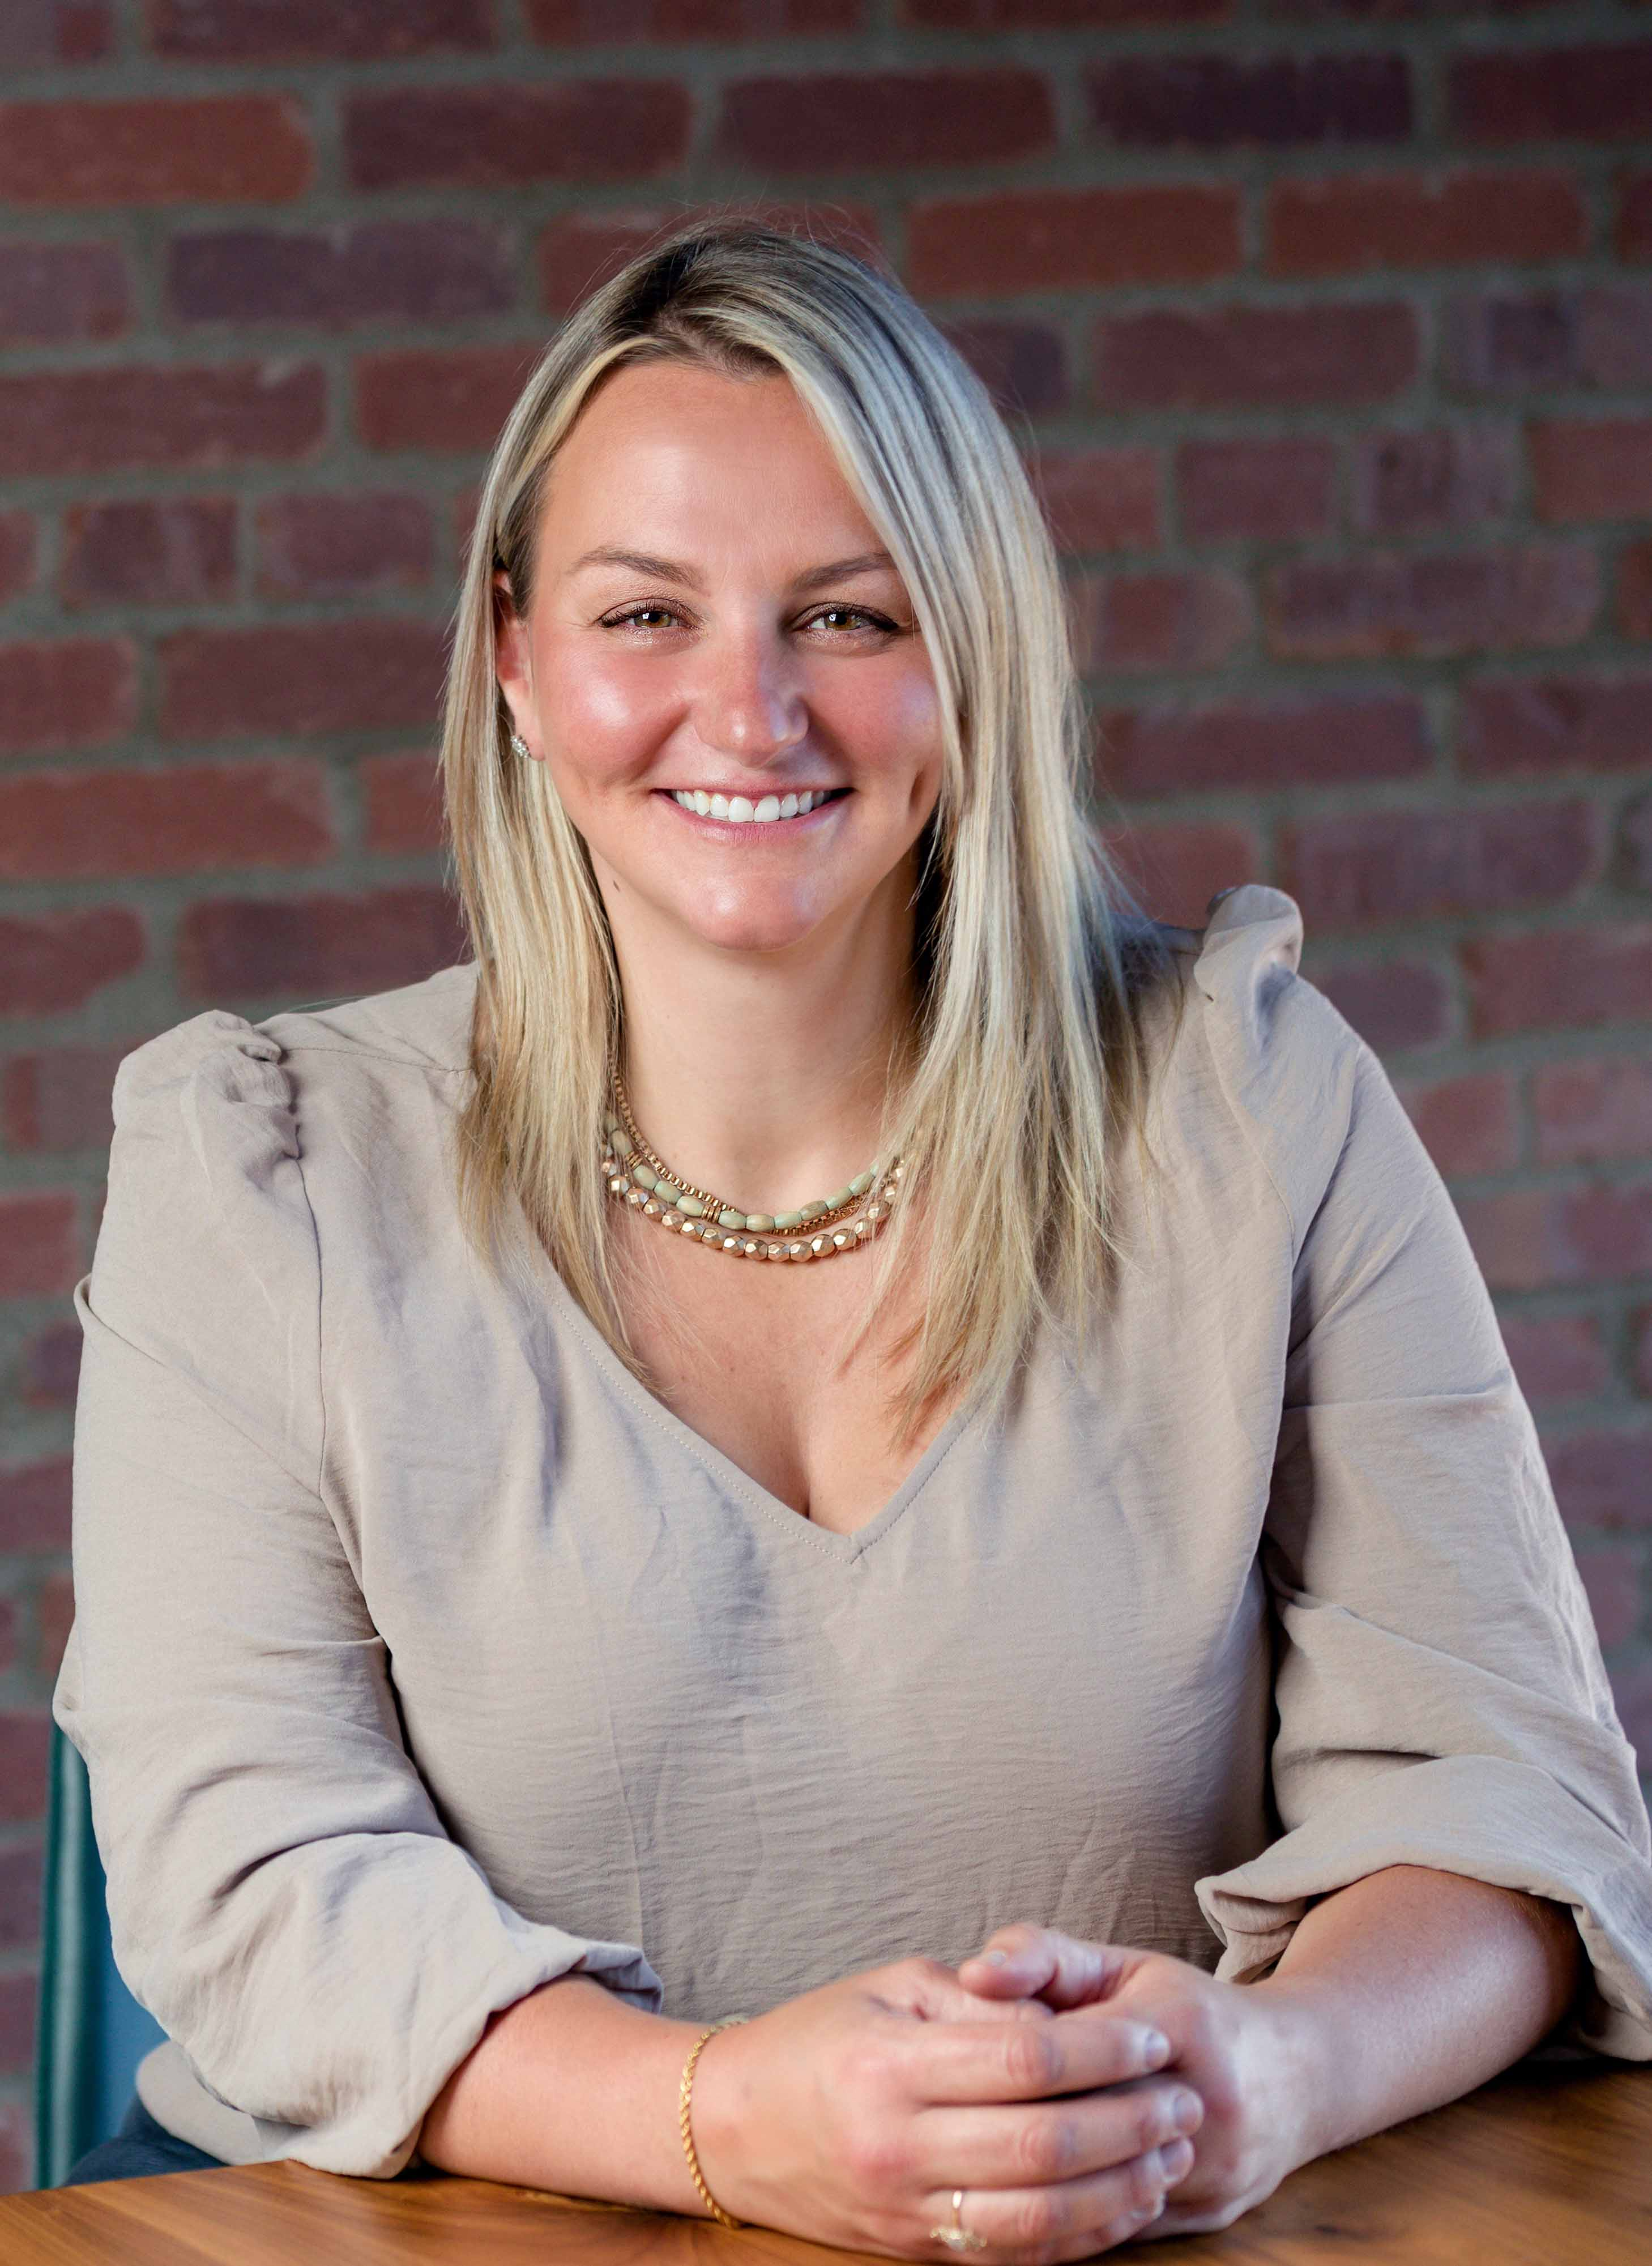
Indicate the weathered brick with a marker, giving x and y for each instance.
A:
(1259, 357)
(17, 554)
(1429, 482)
(149, 550)
(568, 23)
(1637, 844)
(95, 420)
(456, 400)
(401, 797)
(1558, 978)
(219, 148)
(290, 30)
(1532, 725)
(307, 947)
(23, 1735)
(1266, 743)
(1532, 94)
(18, 1995)
(54, 1617)
(1367, 865)
(1099, 499)
(1060, 15)
(65, 692)
(40, 1243)
(321, 545)
(1257, 490)
(17, 2142)
(833, 120)
(9, 1617)
(1214, 101)
(1349, 221)
(1175, 870)
(36, 33)
(1467, 1125)
(1598, 470)
(34, 1505)
(1529, 1238)
(580, 248)
(301, 678)
(1391, 1003)
(1603, 1479)
(1592, 1109)
(1641, 1358)
(1177, 618)
(1635, 589)
(1633, 236)
(22, 1874)
(1556, 1356)
(1060, 240)
(48, 1373)
(1432, 603)
(1597, 335)
(1612, 1577)
(495, 136)
(59, 1099)
(54, 292)
(415, 271)
(50, 963)
(180, 818)
(1022, 365)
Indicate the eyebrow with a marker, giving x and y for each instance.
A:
(670, 570)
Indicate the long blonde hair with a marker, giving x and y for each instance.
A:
(1030, 1061)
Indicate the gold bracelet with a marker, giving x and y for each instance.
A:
(722, 2217)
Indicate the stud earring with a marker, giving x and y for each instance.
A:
(519, 747)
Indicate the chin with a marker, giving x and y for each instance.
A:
(742, 922)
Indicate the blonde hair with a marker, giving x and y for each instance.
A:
(1030, 1061)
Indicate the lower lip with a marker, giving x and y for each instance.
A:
(724, 829)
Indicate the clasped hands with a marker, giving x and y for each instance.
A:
(1082, 2095)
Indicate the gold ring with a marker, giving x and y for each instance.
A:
(958, 2236)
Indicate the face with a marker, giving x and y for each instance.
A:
(721, 666)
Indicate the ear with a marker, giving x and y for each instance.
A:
(512, 665)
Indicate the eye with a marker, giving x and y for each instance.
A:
(861, 616)
(640, 616)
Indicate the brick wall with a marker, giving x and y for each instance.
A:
(1329, 327)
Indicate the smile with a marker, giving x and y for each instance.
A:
(739, 810)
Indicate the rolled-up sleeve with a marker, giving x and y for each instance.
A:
(1440, 1695)
(282, 1896)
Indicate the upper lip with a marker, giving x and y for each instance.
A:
(754, 793)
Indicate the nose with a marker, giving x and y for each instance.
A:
(750, 703)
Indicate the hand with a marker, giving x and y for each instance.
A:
(1233, 2043)
(849, 2116)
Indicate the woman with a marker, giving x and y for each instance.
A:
(531, 1607)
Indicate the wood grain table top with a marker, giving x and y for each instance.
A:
(1543, 2166)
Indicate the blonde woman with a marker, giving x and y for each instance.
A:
(836, 1429)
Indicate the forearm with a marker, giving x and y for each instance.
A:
(1409, 1988)
(574, 2091)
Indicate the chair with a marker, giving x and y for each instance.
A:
(93, 2032)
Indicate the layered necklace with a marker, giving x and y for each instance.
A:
(817, 1229)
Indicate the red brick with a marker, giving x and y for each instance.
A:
(22, 1872)
(41, 32)
(1558, 978)
(17, 554)
(1176, 870)
(1099, 499)
(180, 818)
(1060, 15)
(1603, 1479)
(34, 1505)
(576, 130)
(1349, 221)
(1022, 365)
(1064, 240)
(1393, 864)
(1530, 94)
(836, 121)
(579, 250)
(569, 23)
(220, 149)
(323, 545)
(9, 1618)
(60, 1099)
(304, 678)
(1595, 471)
(1556, 1356)
(306, 947)
(415, 271)
(1213, 101)
(66, 692)
(95, 420)
(54, 1617)
(401, 799)
(1634, 238)
(40, 1243)
(1433, 602)
(1643, 1357)
(1635, 589)
(1182, 619)
(23, 1737)
(1260, 357)
(1256, 490)
(1637, 844)
(1611, 1575)
(17, 2023)
(17, 2128)
(1467, 1125)
(149, 550)
(49, 1372)
(1593, 1109)
(1563, 336)
(1390, 1004)
(1263, 744)
(50, 963)
(1531, 1237)
(52, 292)
(1536, 724)
(288, 30)
(1423, 482)
(453, 400)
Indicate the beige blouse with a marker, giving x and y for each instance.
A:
(422, 1655)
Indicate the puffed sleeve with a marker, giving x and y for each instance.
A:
(282, 1896)
(1440, 1696)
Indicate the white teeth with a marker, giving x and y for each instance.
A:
(719, 806)
(701, 801)
(788, 805)
(740, 810)
(768, 807)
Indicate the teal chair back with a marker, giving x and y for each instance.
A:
(93, 2032)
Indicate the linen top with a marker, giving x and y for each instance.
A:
(422, 1655)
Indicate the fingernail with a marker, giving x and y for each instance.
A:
(1155, 2050)
(1176, 2158)
(996, 1958)
(1188, 2112)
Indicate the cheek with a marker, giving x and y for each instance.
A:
(893, 723)
(604, 715)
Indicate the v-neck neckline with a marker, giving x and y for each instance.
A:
(731, 1477)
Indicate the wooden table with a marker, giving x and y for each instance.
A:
(1546, 2166)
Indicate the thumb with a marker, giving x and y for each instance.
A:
(1023, 1962)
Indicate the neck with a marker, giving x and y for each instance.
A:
(762, 1075)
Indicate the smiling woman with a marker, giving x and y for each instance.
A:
(1011, 1741)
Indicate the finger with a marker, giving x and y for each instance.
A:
(1072, 2218)
(994, 2062)
(931, 1989)
(1021, 1960)
(1028, 2144)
